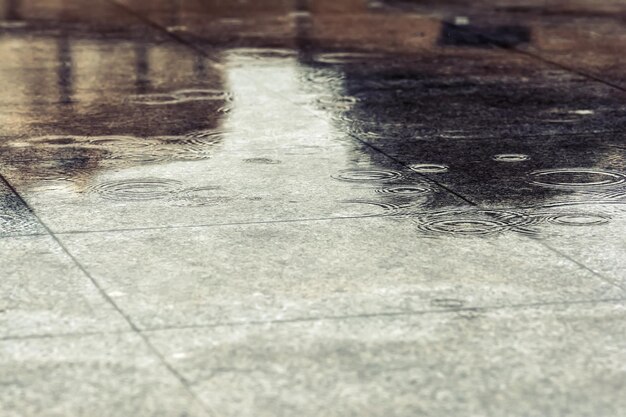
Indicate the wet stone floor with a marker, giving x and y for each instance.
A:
(316, 208)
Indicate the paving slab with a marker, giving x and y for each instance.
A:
(584, 36)
(231, 187)
(551, 361)
(43, 292)
(324, 207)
(599, 248)
(412, 80)
(91, 376)
(288, 271)
(16, 218)
(517, 171)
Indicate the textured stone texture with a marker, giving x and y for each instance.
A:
(312, 208)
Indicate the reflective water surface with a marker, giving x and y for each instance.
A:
(401, 175)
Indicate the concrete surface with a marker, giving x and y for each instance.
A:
(315, 208)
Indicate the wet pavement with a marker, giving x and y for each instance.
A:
(315, 208)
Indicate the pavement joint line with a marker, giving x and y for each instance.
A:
(62, 335)
(210, 225)
(442, 311)
(540, 58)
(10, 236)
(398, 314)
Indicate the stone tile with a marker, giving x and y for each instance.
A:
(81, 109)
(218, 23)
(286, 271)
(516, 172)
(43, 292)
(428, 100)
(389, 96)
(88, 376)
(585, 36)
(457, 290)
(377, 101)
(552, 361)
(77, 86)
(70, 17)
(589, 45)
(597, 240)
(231, 187)
(15, 218)
(410, 82)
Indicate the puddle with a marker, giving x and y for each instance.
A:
(429, 168)
(461, 226)
(405, 205)
(576, 178)
(524, 221)
(407, 190)
(471, 222)
(475, 36)
(337, 103)
(262, 53)
(609, 195)
(139, 189)
(381, 96)
(52, 141)
(346, 57)
(125, 148)
(511, 157)
(181, 96)
(576, 219)
(367, 175)
(14, 223)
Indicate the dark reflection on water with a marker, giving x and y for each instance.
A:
(74, 104)
(142, 68)
(12, 10)
(483, 36)
(65, 75)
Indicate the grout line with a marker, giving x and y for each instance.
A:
(147, 21)
(410, 313)
(192, 226)
(58, 335)
(581, 265)
(566, 68)
(395, 314)
(540, 58)
(10, 236)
